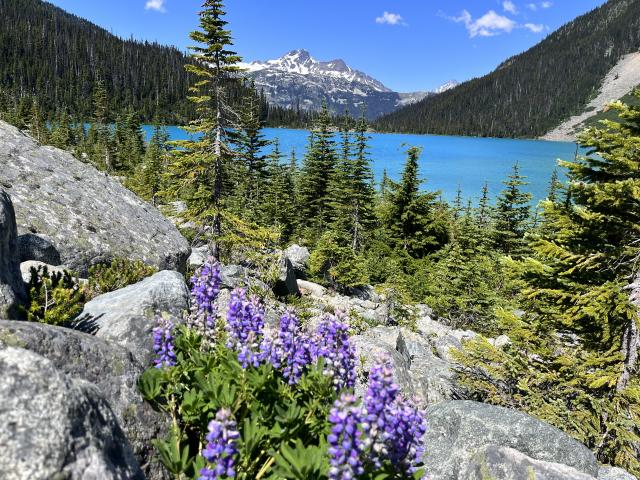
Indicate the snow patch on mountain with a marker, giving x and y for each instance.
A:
(297, 80)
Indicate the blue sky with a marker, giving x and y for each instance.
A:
(409, 45)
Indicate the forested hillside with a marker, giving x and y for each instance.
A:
(533, 92)
(58, 57)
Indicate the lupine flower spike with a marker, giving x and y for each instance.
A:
(245, 324)
(345, 440)
(204, 292)
(163, 342)
(332, 343)
(221, 450)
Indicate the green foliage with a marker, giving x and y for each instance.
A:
(54, 298)
(336, 265)
(573, 362)
(104, 278)
(283, 427)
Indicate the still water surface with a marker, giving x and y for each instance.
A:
(446, 162)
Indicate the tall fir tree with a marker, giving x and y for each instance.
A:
(317, 171)
(250, 144)
(202, 167)
(513, 212)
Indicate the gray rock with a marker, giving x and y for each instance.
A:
(503, 463)
(299, 258)
(12, 290)
(198, 256)
(236, 276)
(614, 473)
(433, 379)
(54, 427)
(310, 288)
(89, 217)
(39, 248)
(286, 282)
(458, 430)
(108, 366)
(374, 345)
(127, 316)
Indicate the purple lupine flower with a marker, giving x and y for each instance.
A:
(221, 449)
(345, 439)
(291, 351)
(405, 442)
(163, 342)
(205, 286)
(393, 428)
(332, 343)
(245, 324)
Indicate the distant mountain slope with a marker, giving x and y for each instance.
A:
(57, 56)
(297, 80)
(531, 93)
(621, 80)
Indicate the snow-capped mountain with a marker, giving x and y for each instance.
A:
(446, 86)
(297, 80)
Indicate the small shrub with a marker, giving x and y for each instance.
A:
(118, 274)
(54, 298)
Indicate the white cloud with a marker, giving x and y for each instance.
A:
(534, 27)
(489, 25)
(390, 19)
(157, 5)
(535, 6)
(509, 7)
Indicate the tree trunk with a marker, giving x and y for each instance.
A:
(631, 338)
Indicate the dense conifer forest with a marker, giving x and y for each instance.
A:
(531, 93)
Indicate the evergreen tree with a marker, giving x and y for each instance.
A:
(317, 171)
(202, 168)
(100, 134)
(554, 187)
(411, 214)
(37, 125)
(485, 212)
(279, 206)
(250, 145)
(61, 131)
(149, 176)
(512, 215)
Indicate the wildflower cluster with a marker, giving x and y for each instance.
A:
(334, 346)
(292, 350)
(245, 325)
(204, 291)
(163, 342)
(221, 450)
(385, 429)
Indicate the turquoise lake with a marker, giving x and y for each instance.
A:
(447, 162)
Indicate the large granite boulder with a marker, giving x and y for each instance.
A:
(88, 217)
(285, 283)
(299, 258)
(460, 432)
(12, 290)
(108, 366)
(127, 316)
(54, 427)
(614, 473)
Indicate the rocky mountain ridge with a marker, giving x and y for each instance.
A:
(297, 80)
